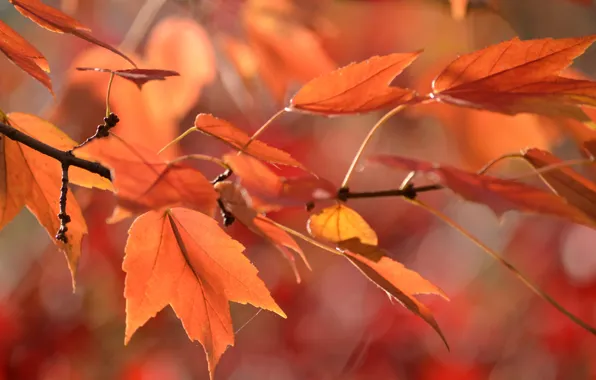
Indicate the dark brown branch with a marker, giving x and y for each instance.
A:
(408, 192)
(102, 130)
(63, 216)
(65, 157)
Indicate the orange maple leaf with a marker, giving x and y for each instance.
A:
(357, 88)
(519, 77)
(56, 21)
(183, 258)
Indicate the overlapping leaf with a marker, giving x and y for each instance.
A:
(401, 284)
(519, 76)
(236, 138)
(501, 195)
(182, 258)
(566, 182)
(276, 191)
(24, 55)
(338, 223)
(357, 88)
(59, 22)
(239, 204)
(30, 178)
(144, 181)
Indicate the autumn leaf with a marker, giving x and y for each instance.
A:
(519, 77)
(357, 88)
(24, 55)
(274, 190)
(144, 181)
(236, 138)
(565, 182)
(30, 178)
(338, 223)
(137, 76)
(182, 258)
(401, 284)
(501, 195)
(56, 21)
(239, 204)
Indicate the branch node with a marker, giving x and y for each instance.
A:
(343, 194)
(103, 130)
(228, 218)
(222, 177)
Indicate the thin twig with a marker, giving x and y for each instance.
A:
(102, 130)
(367, 139)
(506, 264)
(63, 216)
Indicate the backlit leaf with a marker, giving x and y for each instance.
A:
(237, 138)
(339, 223)
(401, 284)
(357, 88)
(566, 182)
(182, 258)
(59, 22)
(144, 181)
(501, 195)
(519, 76)
(239, 204)
(30, 178)
(24, 55)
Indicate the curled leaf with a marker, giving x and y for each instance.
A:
(137, 76)
(357, 88)
(339, 223)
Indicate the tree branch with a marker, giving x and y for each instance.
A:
(65, 157)
(409, 191)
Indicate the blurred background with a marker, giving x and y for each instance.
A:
(242, 60)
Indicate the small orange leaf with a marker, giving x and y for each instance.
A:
(143, 181)
(24, 55)
(339, 223)
(56, 21)
(401, 284)
(566, 182)
(357, 88)
(519, 77)
(501, 195)
(239, 204)
(237, 138)
(182, 258)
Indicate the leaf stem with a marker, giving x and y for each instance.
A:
(262, 129)
(506, 264)
(109, 90)
(367, 139)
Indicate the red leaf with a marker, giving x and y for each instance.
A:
(262, 182)
(236, 202)
(566, 182)
(137, 76)
(24, 55)
(357, 88)
(144, 182)
(501, 195)
(182, 258)
(59, 22)
(519, 76)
